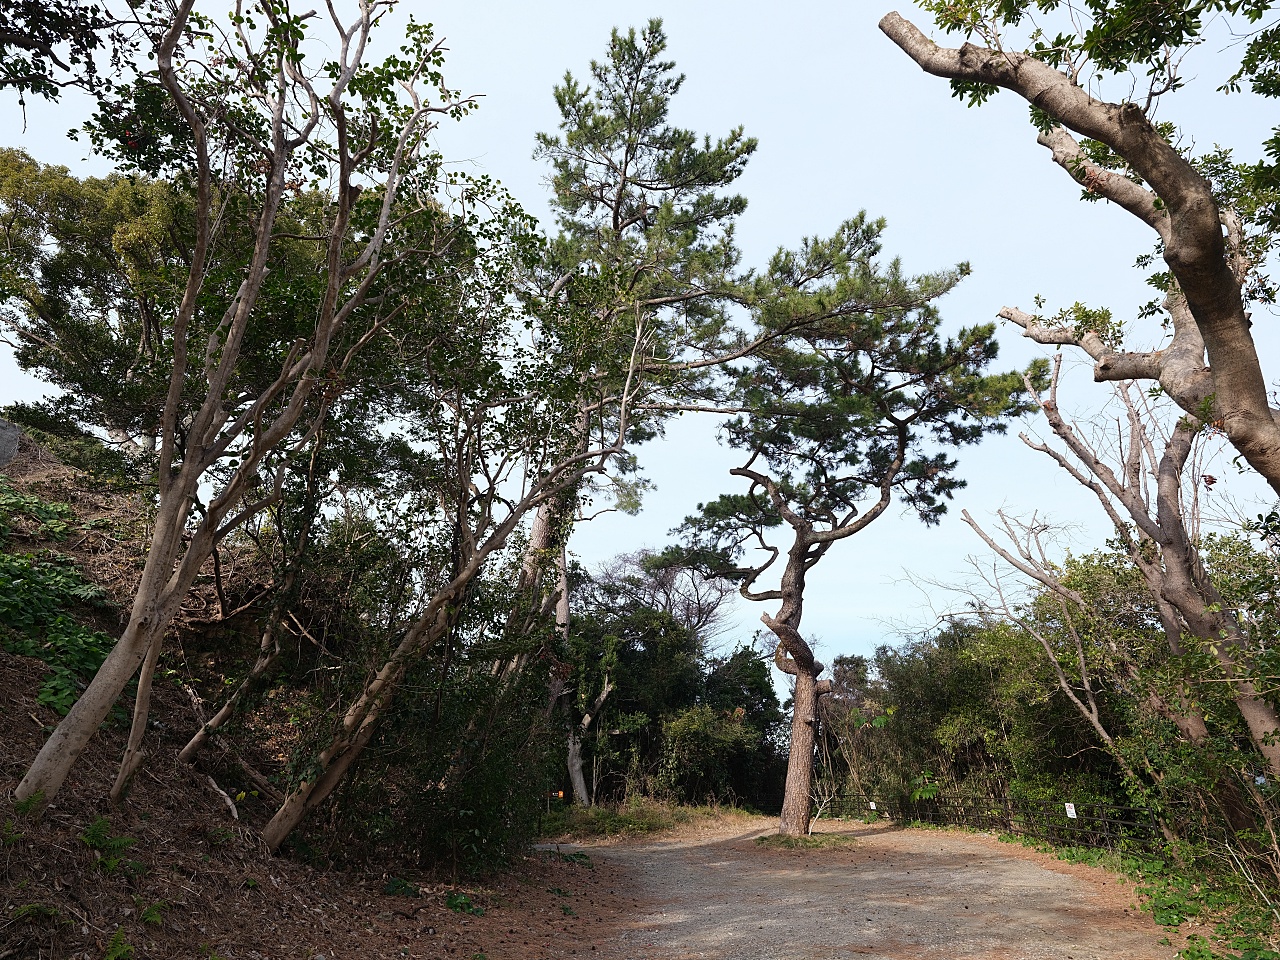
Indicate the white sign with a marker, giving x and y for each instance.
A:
(1071, 811)
(872, 804)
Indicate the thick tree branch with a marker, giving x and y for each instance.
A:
(1113, 186)
(1190, 223)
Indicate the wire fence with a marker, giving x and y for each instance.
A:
(1077, 824)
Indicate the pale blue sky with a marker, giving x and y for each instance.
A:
(845, 122)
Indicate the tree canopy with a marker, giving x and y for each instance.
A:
(339, 408)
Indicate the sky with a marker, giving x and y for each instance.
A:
(846, 122)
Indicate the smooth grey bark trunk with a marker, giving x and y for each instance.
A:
(134, 753)
(1178, 204)
(274, 414)
(576, 778)
(573, 754)
(577, 728)
(576, 732)
(154, 606)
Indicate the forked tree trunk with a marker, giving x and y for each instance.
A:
(576, 732)
(573, 753)
(537, 601)
(1172, 198)
(153, 608)
(69, 739)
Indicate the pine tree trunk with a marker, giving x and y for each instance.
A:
(796, 804)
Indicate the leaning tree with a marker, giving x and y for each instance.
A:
(841, 418)
(1144, 493)
(252, 129)
(1213, 218)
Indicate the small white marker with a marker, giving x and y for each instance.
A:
(872, 804)
(1071, 811)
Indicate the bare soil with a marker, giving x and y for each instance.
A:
(895, 893)
(192, 882)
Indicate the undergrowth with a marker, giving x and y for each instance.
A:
(633, 817)
(39, 593)
(812, 841)
(1244, 927)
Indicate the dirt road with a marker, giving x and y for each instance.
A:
(918, 894)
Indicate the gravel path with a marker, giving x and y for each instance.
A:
(917, 894)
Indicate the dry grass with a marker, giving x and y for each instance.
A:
(813, 841)
(633, 818)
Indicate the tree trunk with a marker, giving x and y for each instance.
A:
(54, 761)
(573, 756)
(793, 656)
(1188, 588)
(148, 620)
(307, 796)
(268, 651)
(1260, 718)
(580, 795)
(360, 720)
(796, 803)
(576, 732)
(134, 753)
(535, 601)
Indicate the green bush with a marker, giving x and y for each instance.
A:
(456, 776)
(705, 753)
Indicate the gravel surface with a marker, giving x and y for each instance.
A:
(919, 894)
